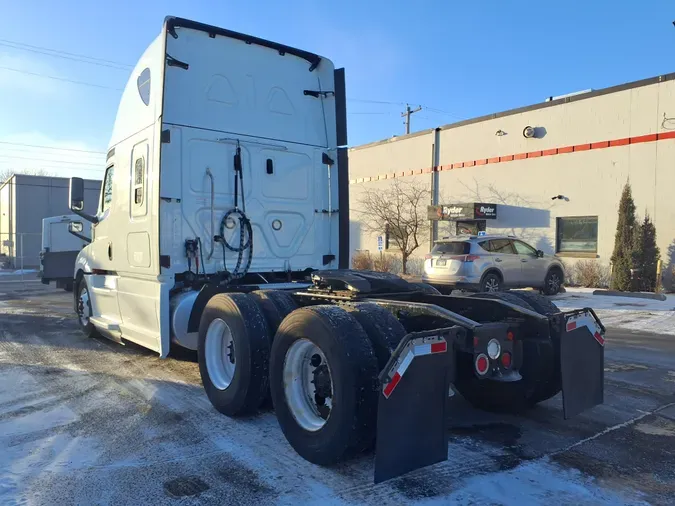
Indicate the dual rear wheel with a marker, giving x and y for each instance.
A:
(323, 365)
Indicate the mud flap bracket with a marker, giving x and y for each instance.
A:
(582, 361)
(413, 403)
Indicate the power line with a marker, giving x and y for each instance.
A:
(61, 79)
(48, 160)
(29, 151)
(51, 147)
(81, 60)
(57, 52)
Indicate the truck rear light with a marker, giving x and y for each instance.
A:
(506, 360)
(494, 349)
(482, 364)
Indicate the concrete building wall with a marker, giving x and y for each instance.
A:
(585, 148)
(35, 198)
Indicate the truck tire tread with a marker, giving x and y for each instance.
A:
(350, 428)
(250, 335)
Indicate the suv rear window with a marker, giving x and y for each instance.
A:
(451, 248)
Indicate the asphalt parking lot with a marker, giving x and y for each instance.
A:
(86, 421)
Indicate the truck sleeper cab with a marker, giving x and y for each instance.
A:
(222, 227)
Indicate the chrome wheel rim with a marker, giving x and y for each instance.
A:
(220, 354)
(554, 283)
(83, 311)
(308, 385)
(492, 285)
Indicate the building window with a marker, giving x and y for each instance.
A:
(139, 180)
(107, 188)
(577, 234)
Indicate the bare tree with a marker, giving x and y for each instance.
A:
(399, 210)
(5, 174)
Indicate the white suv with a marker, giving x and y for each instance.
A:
(491, 263)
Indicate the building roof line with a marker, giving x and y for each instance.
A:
(540, 105)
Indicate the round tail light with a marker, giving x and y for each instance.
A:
(506, 360)
(494, 349)
(482, 364)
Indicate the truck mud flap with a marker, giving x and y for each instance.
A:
(412, 406)
(582, 361)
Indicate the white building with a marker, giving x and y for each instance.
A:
(553, 171)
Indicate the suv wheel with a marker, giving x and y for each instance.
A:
(553, 281)
(491, 283)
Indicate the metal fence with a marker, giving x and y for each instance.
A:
(20, 257)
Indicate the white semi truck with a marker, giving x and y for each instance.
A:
(223, 227)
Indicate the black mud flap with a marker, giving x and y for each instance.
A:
(411, 415)
(582, 361)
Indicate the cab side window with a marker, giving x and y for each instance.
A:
(107, 194)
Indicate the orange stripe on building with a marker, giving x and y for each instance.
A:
(531, 154)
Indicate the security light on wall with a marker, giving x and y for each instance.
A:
(528, 132)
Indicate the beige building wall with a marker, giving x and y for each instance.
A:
(586, 147)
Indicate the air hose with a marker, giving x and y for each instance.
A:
(244, 249)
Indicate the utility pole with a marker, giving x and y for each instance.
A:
(408, 112)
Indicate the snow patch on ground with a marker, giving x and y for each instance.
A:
(17, 272)
(631, 313)
(534, 483)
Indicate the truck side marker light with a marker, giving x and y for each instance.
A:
(417, 350)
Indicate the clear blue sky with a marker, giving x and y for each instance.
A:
(463, 58)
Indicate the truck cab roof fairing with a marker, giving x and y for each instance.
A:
(171, 23)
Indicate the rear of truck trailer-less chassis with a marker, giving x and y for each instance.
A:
(348, 371)
(352, 360)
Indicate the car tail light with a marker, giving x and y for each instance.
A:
(465, 258)
(428, 256)
(506, 360)
(482, 364)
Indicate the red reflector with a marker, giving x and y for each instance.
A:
(439, 347)
(599, 338)
(475, 343)
(391, 385)
(571, 326)
(506, 360)
(509, 335)
(482, 364)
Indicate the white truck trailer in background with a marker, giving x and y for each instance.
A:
(223, 227)
(60, 249)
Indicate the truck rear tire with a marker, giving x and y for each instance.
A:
(382, 328)
(276, 305)
(323, 380)
(233, 353)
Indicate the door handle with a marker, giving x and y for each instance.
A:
(498, 259)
